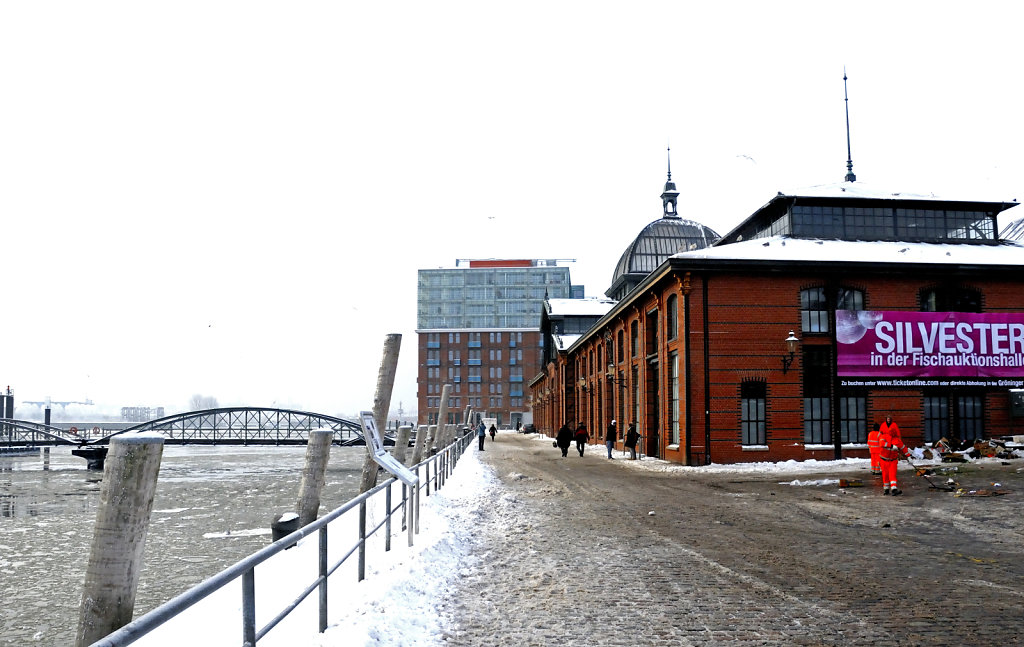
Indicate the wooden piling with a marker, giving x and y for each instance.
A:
(402, 443)
(119, 537)
(318, 452)
(381, 403)
(417, 450)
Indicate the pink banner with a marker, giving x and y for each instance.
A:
(898, 344)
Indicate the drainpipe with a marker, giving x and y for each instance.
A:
(686, 369)
(830, 298)
(707, 376)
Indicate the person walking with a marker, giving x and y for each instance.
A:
(564, 439)
(481, 433)
(610, 437)
(890, 450)
(876, 463)
(631, 439)
(493, 430)
(582, 437)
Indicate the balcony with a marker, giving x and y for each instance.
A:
(433, 344)
(474, 344)
(474, 362)
(433, 362)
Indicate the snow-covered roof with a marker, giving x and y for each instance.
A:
(563, 342)
(869, 191)
(784, 248)
(588, 306)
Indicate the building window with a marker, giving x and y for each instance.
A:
(936, 419)
(816, 383)
(970, 419)
(620, 343)
(634, 338)
(753, 416)
(853, 419)
(673, 362)
(957, 299)
(813, 310)
(671, 318)
(651, 347)
(636, 394)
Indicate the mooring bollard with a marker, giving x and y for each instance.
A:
(119, 538)
(318, 452)
(283, 525)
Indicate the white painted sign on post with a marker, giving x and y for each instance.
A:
(380, 455)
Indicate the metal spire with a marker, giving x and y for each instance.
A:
(670, 195)
(850, 177)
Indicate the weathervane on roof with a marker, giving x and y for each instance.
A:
(850, 177)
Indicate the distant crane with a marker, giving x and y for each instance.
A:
(62, 403)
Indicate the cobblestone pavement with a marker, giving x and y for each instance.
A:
(590, 551)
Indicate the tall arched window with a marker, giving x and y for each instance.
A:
(671, 318)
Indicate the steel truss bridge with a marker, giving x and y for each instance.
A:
(223, 426)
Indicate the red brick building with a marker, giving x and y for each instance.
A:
(697, 353)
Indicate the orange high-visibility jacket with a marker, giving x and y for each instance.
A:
(890, 443)
(873, 440)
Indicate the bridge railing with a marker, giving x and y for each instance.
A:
(432, 472)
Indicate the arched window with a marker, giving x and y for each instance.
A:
(671, 318)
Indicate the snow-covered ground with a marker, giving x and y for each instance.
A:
(398, 602)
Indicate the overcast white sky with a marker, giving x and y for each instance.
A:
(233, 198)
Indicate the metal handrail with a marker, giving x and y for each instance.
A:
(443, 462)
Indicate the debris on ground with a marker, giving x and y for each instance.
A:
(981, 492)
(851, 483)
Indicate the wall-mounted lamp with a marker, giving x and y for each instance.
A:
(791, 343)
(583, 384)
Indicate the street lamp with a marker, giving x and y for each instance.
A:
(791, 343)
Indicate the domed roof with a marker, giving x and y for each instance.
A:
(655, 243)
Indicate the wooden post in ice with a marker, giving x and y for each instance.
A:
(119, 537)
(318, 452)
(442, 418)
(402, 443)
(381, 403)
(417, 449)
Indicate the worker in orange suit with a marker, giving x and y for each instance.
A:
(876, 463)
(890, 450)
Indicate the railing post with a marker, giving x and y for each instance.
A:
(249, 608)
(387, 518)
(405, 505)
(362, 541)
(416, 499)
(323, 579)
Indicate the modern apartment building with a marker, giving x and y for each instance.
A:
(478, 330)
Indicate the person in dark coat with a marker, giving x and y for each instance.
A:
(582, 437)
(564, 439)
(481, 433)
(610, 437)
(631, 439)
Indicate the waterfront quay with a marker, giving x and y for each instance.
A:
(589, 551)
